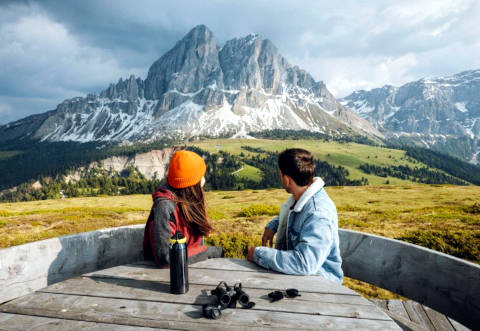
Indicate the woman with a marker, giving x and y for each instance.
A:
(180, 206)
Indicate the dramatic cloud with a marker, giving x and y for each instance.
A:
(52, 50)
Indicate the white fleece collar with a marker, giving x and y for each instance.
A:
(284, 211)
(317, 184)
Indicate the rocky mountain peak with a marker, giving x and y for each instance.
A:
(129, 89)
(198, 88)
(190, 65)
(252, 62)
(435, 111)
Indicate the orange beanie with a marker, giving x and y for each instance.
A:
(186, 169)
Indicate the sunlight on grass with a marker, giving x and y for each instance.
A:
(250, 172)
(446, 215)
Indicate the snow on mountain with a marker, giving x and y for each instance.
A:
(198, 88)
(432, 111)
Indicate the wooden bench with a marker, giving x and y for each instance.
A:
(444, 283)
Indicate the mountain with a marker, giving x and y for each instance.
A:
(199, 89)
(441, 113)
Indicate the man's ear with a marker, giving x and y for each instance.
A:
(288, 180)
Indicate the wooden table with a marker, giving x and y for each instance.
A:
(136, 296)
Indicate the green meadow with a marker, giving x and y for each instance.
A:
(443, 217)
(348, 155)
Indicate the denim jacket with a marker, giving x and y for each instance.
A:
(307, 241)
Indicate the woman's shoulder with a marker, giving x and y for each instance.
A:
(163, 198)
(163, 193)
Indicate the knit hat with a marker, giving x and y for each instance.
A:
(186, 169)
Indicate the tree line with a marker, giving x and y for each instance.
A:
(93, 182)
(220, 175)
(417, 174)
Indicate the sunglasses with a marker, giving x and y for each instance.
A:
(278, 295)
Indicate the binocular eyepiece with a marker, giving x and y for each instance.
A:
(242, 297)
(212, 312)
(227, 297)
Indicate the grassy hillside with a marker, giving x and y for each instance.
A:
(249, 172)
(348, 155)
(446, 218)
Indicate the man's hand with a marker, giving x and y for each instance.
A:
(251, 250)
(267, 237)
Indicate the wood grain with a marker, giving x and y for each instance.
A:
(15, 322)
(182, 316)
(307, 303)
(261, 280)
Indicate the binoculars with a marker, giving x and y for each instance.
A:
(227, 297)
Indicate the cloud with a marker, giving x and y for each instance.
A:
(5, 109)
(346, 74)
(46, 63)
(54, 50)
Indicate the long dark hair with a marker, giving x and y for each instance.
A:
(191, 201)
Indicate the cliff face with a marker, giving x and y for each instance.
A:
(441, 112)
(150, 164)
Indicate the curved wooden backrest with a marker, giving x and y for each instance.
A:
(442, 282)
(30, 267)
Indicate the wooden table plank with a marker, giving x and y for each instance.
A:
(171, 315)
(261, 280)
(218, 263)
(412, 313)
(308, 303)
(423, 315)
(396, 306)
(15, 322)
(230, 264)
(439, 321)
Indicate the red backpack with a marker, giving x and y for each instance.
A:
(177, 223)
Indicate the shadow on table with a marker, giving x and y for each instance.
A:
(137, 283)
(156, 286)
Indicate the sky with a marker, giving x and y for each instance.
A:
(54, 50)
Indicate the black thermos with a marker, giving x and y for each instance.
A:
(178, 264)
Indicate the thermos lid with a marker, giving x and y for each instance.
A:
(178, 237)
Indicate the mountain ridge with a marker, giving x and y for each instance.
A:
(432, 112)
(200, 89)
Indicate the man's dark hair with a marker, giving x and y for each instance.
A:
(299, 164)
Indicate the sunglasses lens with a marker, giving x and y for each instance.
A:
(292, 293)
(275, 296)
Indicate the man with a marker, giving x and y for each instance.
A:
(307, 240)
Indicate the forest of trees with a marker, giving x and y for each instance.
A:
(421, 175)
(305, 134)
(93, 182)
(451, 165)
(49, 162)
(219, 176)
(267, 163)
(43, 159)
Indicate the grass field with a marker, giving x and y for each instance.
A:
(391, 211)
(348, 155)
(250, 172)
